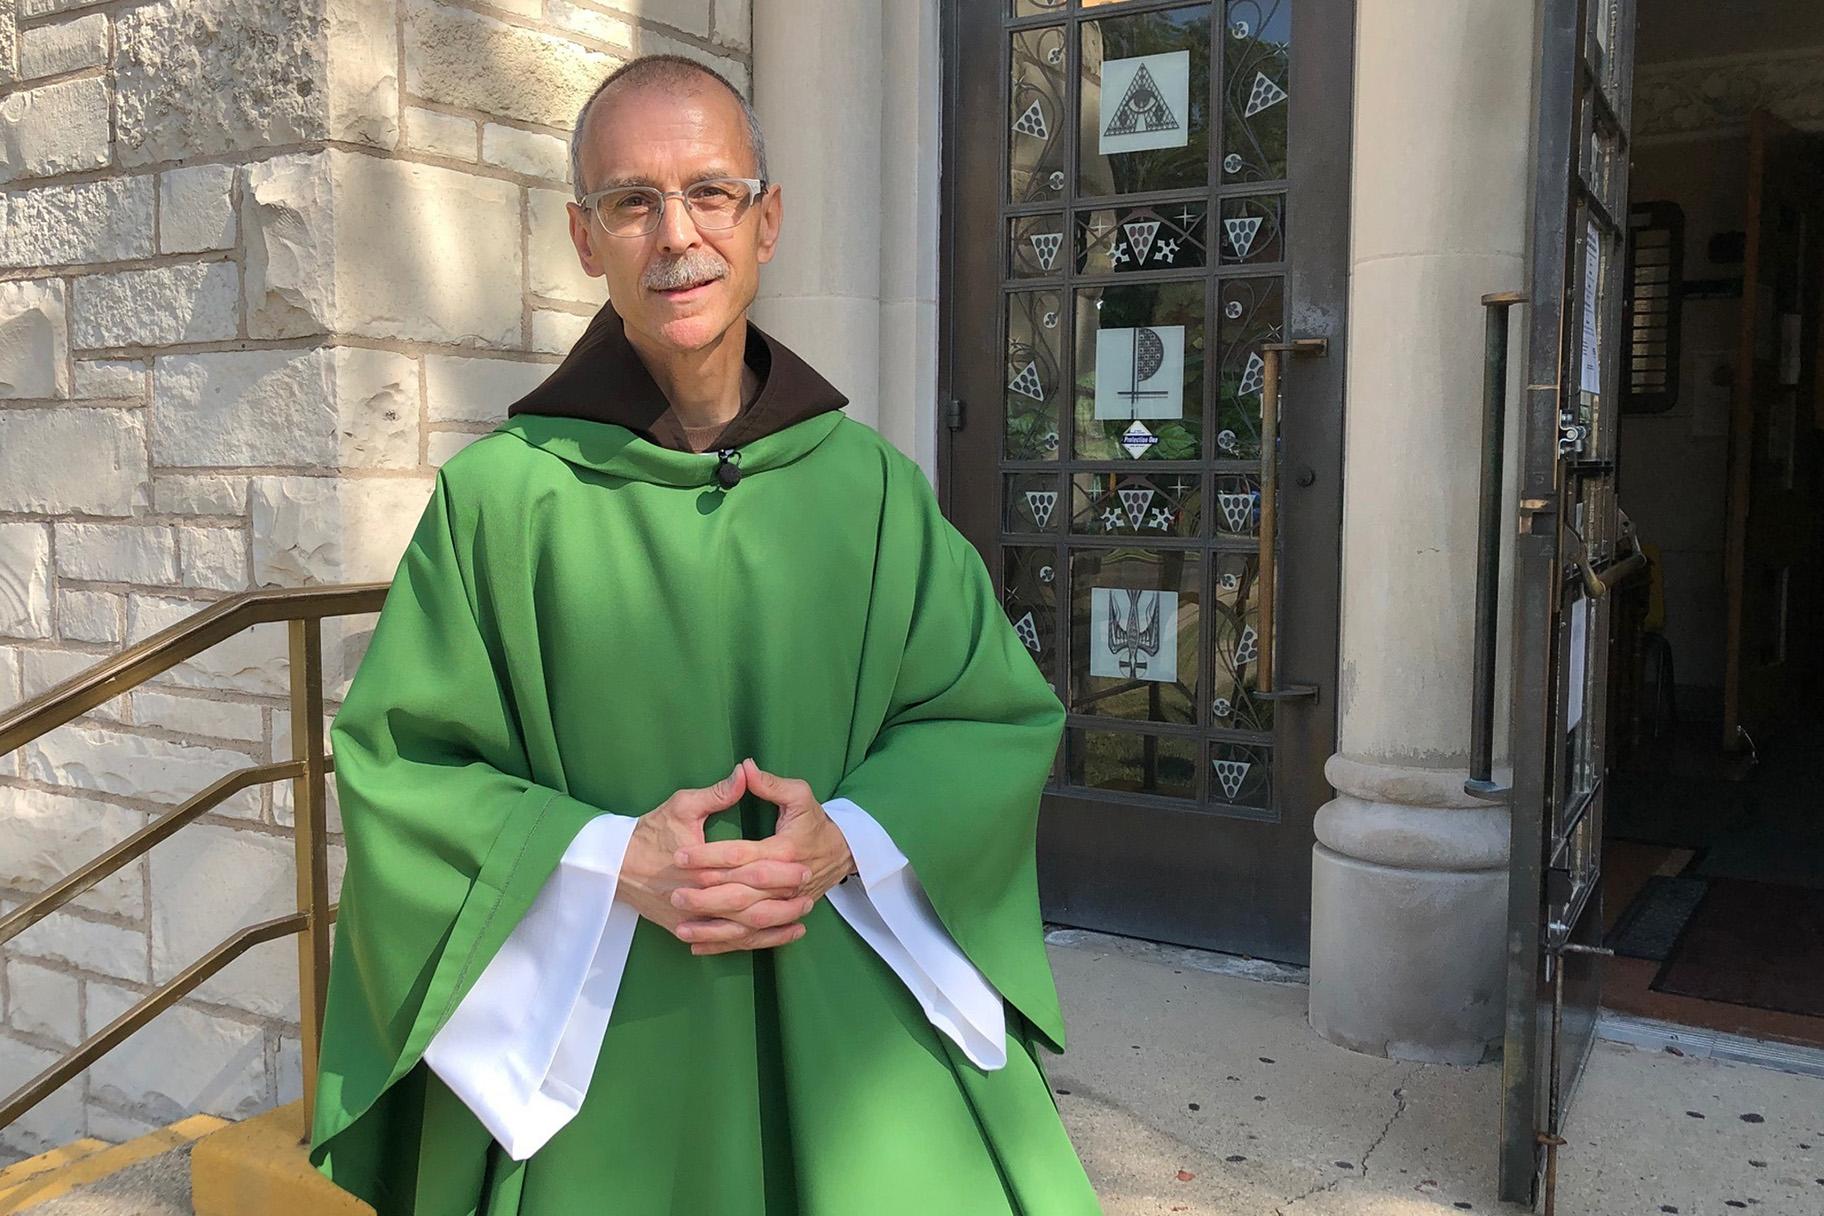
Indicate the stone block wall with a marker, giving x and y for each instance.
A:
(264, 265)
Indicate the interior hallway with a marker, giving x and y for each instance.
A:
(1714, 897)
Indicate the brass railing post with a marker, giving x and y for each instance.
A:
(308, 830)
(303, 608)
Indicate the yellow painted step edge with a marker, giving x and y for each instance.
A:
(55, 1158)
(97, 1165)
(262, 1164)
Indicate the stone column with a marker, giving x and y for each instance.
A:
(848, 93)
(1409, 874)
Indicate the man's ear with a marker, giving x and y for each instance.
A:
(582, 236)
(772, 216)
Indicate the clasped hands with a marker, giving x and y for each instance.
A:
(729, 895)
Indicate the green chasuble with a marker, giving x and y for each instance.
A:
(585, 621)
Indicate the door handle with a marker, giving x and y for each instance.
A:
(1480, 783)
(1271, 355)
(1598, 583)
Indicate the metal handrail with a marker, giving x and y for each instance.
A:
(303, 610)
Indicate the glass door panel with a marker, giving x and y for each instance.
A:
(1120, 262)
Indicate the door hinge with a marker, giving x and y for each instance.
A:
(953, 415)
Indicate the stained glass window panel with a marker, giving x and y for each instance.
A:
(1130, 239)
(1139, 379)
(1035, 142)
(1135, 633)
(1029, 593)
(1256, 54)
(1237, 511)
(1036, 245)
(1235, 644)
(1241, 774)
(1253, 228)
(1143, 121)
(1138, 505)
(1249, 315)
(1035, 373)
(1032, 503)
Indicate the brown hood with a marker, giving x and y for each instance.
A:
(603, 380)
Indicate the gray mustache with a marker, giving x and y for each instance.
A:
(682, 272)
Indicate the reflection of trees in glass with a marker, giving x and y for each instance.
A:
(1032, 422)
(1256, 143)
(1257, 306)
(1024, 590)
(1145, 764)
(1152, 168)
(1237, 610)
(1036, 77)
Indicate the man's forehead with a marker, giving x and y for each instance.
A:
(644, 113)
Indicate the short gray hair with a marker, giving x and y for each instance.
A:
(673, 71)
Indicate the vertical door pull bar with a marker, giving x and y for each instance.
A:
(1488, 528)
(1271, 354)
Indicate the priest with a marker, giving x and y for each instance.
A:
(690, 779)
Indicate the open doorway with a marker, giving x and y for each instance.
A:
(1714, 844)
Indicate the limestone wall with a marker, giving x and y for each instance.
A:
(264, 264)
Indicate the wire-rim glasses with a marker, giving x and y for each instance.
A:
(714, 203)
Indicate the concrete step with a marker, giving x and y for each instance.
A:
(62, 1155)
(92, 1178)
(262, 1165)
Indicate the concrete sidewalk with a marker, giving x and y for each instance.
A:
(1193, 1085)
(1176, 1069)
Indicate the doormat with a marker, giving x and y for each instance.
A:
(1651, 924)
(1752, 943)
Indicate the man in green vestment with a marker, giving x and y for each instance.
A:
(690, 781)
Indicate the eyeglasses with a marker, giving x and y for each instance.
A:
(718, 202)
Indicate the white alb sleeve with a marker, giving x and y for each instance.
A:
(887, 906)
(521, 1046)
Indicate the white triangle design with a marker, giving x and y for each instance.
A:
(1040, 503)
(1032, 122)
(1026, 383)
(1028, 632)
(1264, 94)
(1140, 235)
(1247, 649)
(1242, 230)
(1045, 244)
(1253, 376)
(1128, 120)
(1231, 773)
(1136, 501)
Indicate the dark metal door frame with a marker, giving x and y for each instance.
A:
(1133, 863)
(1570, 546)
